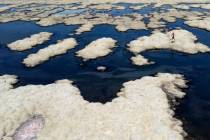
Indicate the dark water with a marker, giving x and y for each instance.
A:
(194, 109)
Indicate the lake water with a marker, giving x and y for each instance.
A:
(193, 110)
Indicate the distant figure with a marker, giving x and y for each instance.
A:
(172, 37)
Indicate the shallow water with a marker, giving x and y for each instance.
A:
(194, 109)
(3, 5)
(199, 9)
(69, 12)
(147, 9)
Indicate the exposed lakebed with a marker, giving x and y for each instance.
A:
(97, 86)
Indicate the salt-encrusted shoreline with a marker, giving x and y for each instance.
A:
(177, 40)
(104, 1)
(98, 48)
(6, 82)
(199, 23)
(49, 14)
(58, 112)
(84, 28)
(141, 111)
(28, 43)
(53, 50)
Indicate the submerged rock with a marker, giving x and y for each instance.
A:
(29, 129)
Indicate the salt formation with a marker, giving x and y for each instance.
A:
(184, 7)
(155, 23)
(200, 23)
(140, 60)
(30, 42)
(88, 20)
(50, 20)
(84, 28)
(204, 6)
(141, 111)
(98, 48)
(138, 7)
(52, 14)
(159, 19)
(160, 2)
(178, 40)
(6, 7)
(50, 51)
(106, 7)
(124, 23)
(6, 82)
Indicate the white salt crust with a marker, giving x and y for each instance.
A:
(106, 7)
(87, 2)
(138, 7)
(88, 21)
(6, 82)
(49, 15)
(184, 7)
(53, 50)
(6, 7)
(141, 111)
(84, 28)
(183, 41)
(30, 42)
(140, 60)
(204, 6)
(98, 48)
(199, 23)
